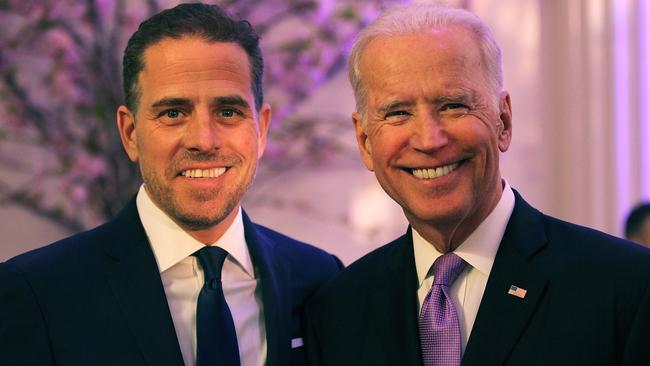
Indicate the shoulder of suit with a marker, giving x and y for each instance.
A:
(65, 251)
(573, 242)
(362, 275)
(595, 248)
(64, 263)
(381, 256)
(292, 248)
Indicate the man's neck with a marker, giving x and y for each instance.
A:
(448, 235)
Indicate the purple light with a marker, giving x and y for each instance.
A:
(621, 105)
(644, 95)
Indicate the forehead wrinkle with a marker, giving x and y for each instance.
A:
(450, 84)
(174, 76)
(169, 57)
(434, 72)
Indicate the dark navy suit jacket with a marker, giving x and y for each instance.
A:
(587, 302)
(96, 298)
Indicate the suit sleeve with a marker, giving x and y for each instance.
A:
(23, 334)
(637, 347)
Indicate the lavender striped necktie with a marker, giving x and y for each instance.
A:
(439, 324)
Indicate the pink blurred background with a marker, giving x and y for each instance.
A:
(578, 73)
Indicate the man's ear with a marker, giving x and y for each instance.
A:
(126, 126)
(264, 121)
(504, 127)
(363, 142)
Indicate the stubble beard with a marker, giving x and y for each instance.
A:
(168, 201)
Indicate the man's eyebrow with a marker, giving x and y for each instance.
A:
(171, 102)
(462, 96)
(232, 100)
(395, 105)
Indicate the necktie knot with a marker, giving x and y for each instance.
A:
(446, 269)
(211, 259)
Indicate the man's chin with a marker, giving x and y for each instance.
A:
(443, 215)
(199, 216)
(194, 223)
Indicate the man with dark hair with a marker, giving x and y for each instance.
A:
(637, 224)
(181, 276)
(480, 277)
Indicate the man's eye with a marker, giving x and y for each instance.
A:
(397, 113)
(171, 113)
(453, 110)
(229, 113)
(452, 106)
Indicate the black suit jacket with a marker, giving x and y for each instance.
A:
(587, 302)
(96, 298)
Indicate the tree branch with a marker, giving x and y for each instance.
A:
(22, 199)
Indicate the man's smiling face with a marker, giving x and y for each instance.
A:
(433, 129)
(196, 133)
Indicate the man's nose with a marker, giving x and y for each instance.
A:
(202, 133)
(429, 133)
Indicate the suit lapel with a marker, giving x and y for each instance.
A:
(133, 275)
(502, 317)
(274, 279)
(392, 310)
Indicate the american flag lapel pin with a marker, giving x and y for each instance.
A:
(517, 291)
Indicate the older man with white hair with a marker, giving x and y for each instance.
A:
(480, 277)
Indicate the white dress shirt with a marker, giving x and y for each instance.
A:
(478, 250)
(182, 278)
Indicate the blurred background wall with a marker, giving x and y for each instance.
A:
(578, 72)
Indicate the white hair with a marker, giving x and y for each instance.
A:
(421, 18)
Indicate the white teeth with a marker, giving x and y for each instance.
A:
(203, 173)
(434, 172)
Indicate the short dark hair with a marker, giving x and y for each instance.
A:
(636, 218)
(209, 22)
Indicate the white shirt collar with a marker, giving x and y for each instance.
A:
(480, 248)
(171, 244)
